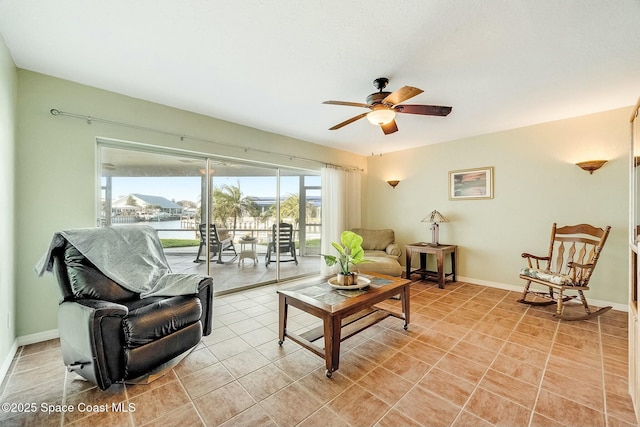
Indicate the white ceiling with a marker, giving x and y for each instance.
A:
(269, 64)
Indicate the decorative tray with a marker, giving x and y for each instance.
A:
(363, 282)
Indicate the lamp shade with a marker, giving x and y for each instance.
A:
(435, 217)
(381, 116)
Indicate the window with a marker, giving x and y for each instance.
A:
(171, 191)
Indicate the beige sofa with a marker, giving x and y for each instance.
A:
(380, 248)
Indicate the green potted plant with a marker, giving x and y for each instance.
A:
(350, 253)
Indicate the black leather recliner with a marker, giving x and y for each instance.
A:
(109, 334)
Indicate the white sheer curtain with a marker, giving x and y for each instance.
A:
(341, 208)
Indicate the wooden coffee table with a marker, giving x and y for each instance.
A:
(343, 313)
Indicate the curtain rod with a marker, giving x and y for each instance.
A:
(90, 119)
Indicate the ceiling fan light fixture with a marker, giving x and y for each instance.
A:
(385, 105)
(381, 116)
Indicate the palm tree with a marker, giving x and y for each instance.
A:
(254, 212)
(228, 202)
(290, 208)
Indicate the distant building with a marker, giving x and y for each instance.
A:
(146, 207)
(264, 203)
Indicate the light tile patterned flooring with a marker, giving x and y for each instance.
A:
(472, 357)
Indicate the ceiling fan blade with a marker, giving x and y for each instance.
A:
(425, 110)
(348, 104)
(402, 94)
(346, 122)
(390, 127)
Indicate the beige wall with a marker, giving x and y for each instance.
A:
(536, 184)
(56, 163)
(8, 99)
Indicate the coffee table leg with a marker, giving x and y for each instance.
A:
(332, 326)
(282, 322)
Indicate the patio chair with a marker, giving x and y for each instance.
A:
(577, 249)
(218, 244)
(281, 237)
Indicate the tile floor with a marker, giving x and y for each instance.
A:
(472, 357)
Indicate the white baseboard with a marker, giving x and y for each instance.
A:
(515, 288)
(6, 364)
(38, 337)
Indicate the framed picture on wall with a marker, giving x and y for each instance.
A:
(471, 184)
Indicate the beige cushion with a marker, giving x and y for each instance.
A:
(380, 264)
(375, 239)
(223, 233)
(377, 254)
(394, 250)
(548, 276)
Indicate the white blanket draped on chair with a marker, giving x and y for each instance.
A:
(130, 255)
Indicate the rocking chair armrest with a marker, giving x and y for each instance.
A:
(539, 258)
(572, 264)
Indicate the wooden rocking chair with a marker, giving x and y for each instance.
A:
(577, 249)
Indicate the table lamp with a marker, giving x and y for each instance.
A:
(434, 218)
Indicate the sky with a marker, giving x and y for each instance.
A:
(188, 188)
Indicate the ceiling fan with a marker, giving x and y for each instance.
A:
(385, 105)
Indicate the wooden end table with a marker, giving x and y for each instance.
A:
(439, 251)
(343, 313)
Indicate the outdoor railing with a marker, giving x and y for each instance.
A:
(182, 227)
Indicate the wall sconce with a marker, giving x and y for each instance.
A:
(591, 165)
(393, 183)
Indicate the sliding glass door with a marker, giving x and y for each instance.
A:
(175, 192)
